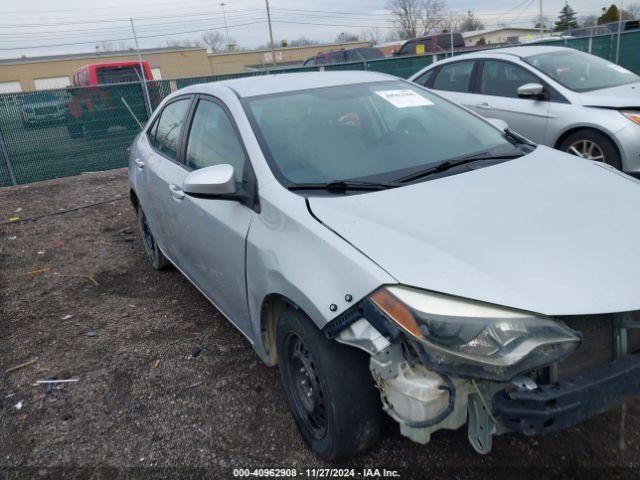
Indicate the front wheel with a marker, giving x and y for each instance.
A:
(329, 389)
(592, 145)
(156, 257)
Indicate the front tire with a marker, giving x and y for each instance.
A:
(329, 389)
(592, 145)
(156, 257)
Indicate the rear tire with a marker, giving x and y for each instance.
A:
(156, 257)
(329, 389)
(592, 145)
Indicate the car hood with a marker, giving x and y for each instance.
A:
(548, 233)
(624, 96)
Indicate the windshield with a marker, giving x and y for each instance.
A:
(381, 131)
(581, 72)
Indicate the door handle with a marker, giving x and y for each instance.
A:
(484, 106)
(176, 192)
(139, 163)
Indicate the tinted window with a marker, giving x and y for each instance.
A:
(167, 132)
(213, 140)
(337, 57)
(408, 48)
(504, 79)
(425, 77)
(454, 77)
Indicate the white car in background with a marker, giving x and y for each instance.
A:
(555, 96)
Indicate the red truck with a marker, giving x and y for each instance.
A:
(97, 92)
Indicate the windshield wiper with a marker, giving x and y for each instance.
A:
(449, 164)
(343, 185)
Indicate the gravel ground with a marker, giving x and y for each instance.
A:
(166, 386)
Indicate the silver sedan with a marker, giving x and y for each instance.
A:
(391, 251)
(555, 96)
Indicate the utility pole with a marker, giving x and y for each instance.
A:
(540, 21)
(144, 73)
(226, 27)
(273, 47)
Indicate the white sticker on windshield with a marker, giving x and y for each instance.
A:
(618, 68)
(404, 98)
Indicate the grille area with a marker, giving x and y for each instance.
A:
(598, 343)
(597, 346)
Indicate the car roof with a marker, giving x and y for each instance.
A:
(521, 51)
(289, 82)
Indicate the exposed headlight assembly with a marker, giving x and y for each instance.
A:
(469, 338)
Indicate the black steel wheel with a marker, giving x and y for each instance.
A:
(329, 388)
(156, 257)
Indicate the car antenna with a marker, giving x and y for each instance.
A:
(131, 112)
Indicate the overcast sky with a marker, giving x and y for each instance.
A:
(42, 27)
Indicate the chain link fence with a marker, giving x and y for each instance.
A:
(57, 133)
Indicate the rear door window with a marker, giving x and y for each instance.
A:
(166, 137)
(455, 77)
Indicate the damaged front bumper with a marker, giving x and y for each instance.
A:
(557, 406)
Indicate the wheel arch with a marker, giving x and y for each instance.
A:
(570, 131)
(272, 307)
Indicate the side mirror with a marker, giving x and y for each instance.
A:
(498, 123)
(531, 90)
(217, 180)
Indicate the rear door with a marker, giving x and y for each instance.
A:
(498, 83)
(159, 169)
(455, 82)
(211, 232)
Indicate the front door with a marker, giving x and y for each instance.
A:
(499, 81)
(211, 233)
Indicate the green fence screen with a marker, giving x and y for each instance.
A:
(56, 133)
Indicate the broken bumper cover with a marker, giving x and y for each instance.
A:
(558, 406)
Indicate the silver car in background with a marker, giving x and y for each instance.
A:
(389, 250)
(554, 96)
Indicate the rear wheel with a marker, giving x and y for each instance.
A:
(592, 145)
(329, 389)
(156, 257)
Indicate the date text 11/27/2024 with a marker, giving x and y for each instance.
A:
(316, 472)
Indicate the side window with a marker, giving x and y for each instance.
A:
(409, 48)
(454, 77)
(213, 140)
(425, 77)
(167, 132)
(503, 79)
(337, 57)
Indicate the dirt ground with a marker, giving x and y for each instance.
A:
(166, 386)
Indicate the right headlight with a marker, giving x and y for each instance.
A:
(632, 115)
(470, 338)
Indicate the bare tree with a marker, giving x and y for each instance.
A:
(470, 23)
(302, 42)
(406, 16)
(433, 16)
(412, 18)
(345, 37)
(546, 22)
(588, 21)
(214, 41)
(372, 35)
(631, 12)
(183, 43)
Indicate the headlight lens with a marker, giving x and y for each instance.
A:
(633, 116)
(473, 338)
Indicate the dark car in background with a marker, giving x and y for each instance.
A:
(344, 55)
(431, 44)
